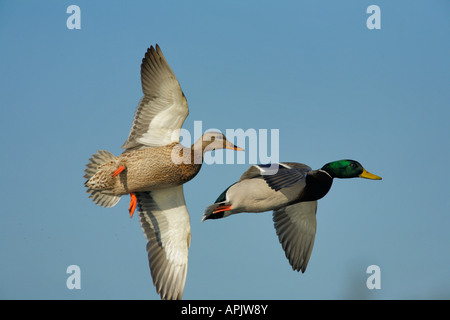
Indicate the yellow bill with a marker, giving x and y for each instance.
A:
(367, 175)
(231, 146)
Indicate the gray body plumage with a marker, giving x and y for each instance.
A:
(264, 188)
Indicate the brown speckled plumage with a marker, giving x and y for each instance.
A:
(146, 169)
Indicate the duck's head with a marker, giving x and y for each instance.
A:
(213, 140)
(344, 169)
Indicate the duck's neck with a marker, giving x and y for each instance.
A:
(318, 183)
(197, 151)
(182, 155)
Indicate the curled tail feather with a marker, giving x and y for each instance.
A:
(220, 204)
(99, 196)
(217, 211)
(209, 212)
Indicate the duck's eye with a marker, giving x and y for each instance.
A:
(352, 165)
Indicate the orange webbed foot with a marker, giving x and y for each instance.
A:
(222, 208)
(133, 203)
(118, 171)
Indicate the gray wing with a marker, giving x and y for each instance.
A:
(166, 225)
(296, 230)
(252, 172)
(163, 108)
(278, 176)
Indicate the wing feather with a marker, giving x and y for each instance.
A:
(166, 225)
(296, 229)
(278, 176)
(163, 108)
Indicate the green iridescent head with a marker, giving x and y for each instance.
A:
(344, 169)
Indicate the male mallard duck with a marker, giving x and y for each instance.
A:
(153, 169)
(291, 190)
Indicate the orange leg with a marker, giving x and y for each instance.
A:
(118, 171)
(133, 204)
(222, 208)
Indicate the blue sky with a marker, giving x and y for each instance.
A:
(333, 88)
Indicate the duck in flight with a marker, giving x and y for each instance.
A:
(291, 190)
(152, 170)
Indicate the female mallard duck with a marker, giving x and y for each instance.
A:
(153, 169)
(291, 190)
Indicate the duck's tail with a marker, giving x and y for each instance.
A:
(99, 196)
(216, 211)
(220, 209)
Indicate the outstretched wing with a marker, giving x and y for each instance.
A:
(163, 108)
(296, 230)
(166, 225)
